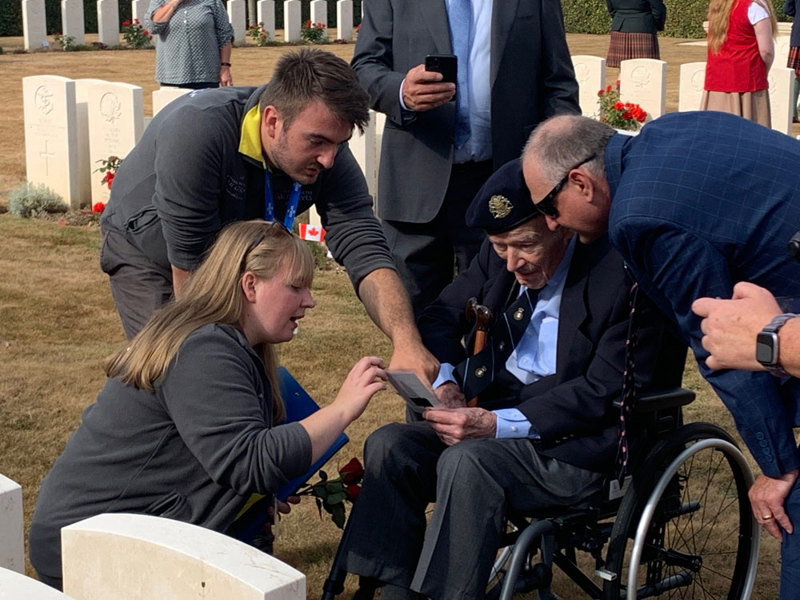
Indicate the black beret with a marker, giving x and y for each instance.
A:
(503, 202)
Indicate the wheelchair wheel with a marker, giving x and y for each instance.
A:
(685, 528)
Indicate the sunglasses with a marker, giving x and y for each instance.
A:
(272, 225)
(546, 205)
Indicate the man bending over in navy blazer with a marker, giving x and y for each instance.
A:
(544, 431)
(695, 203)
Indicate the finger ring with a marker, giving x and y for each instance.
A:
(766, 517)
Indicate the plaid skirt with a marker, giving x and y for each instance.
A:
(794, 58)
(624, 46)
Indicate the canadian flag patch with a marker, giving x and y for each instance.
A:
(312, 233)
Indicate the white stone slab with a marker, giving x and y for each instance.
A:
(85, 167)
(34, 27)
(51, 135)
(291, 20)
(72, 20)
(12, 548)
(266, 16)
(365, 149)
(781, 84)
(318, 11)
(237, 15)
(165, 95)
(139, 10)
(15, 586)
(116, 122)
(344, 20)
(692, 82)
(138, 557)
(782, 46)
(590, 72)
(108, 22)
(643, 81)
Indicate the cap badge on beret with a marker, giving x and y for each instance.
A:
(500, 206)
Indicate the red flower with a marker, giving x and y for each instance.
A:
(307, 24)
(617, 84)
(608, 88)
(626, 115)
(352, 472)
(146, 32)
(109, 178)
(126, 23)
(98, 208)
(62, 222)
(601, 92)
(618, 106)
(352, 492)
(136, 21)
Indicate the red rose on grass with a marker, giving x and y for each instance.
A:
(352, 492)
(98, 208)
(352, 472)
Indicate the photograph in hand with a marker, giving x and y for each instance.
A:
(417, 396)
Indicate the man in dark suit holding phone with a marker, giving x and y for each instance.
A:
(544, 431)
(442, 140)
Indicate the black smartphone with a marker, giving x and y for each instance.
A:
(446, 64)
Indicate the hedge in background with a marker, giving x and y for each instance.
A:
(684, 17)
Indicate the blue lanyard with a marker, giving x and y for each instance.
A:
(269, 204)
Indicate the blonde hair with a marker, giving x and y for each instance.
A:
(213, 294)
(719, 17)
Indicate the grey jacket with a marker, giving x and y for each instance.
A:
(194, 450)
(186, 179)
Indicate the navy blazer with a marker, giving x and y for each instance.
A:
(573, 410)
(637, 16)
(701, 201)
(531, 78)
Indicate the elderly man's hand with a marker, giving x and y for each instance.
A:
(455, 424)
(730, 326)
(450, 395)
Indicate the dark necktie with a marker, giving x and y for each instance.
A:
(478, 371)
(628, 388)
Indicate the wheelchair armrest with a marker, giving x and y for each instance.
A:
(651, 402)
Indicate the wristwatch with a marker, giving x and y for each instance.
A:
(767, 350)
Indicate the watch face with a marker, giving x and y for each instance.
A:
(766, 344)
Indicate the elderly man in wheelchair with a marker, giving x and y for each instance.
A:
(532, 429)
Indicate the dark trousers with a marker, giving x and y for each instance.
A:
(139, 286)
(427, 255)
(473, 483)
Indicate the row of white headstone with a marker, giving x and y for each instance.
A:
(137, 557)
(643, 82)
(34, 29)
(72, 125)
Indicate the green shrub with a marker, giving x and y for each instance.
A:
(29, 200)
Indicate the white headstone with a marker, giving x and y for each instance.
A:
(291, 21)
(692, 81)
(12, 548)
(590, 72)
(344, 20)
(138, 557)
(782, 46)
(51, 135)
(266, 15)
(108, 22)
(72, 20)
(318, 11)
(643, 81)
(237, 15)
(781, 84)
(34, 27)
(139, 10)
(116, 122)
(15, 586)
(85, 168)
(165, 95)
(365, 149)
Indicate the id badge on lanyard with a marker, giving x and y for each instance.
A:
(291, 206)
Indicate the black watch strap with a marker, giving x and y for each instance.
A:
(767, 345)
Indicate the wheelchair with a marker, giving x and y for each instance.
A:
(680, 526)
